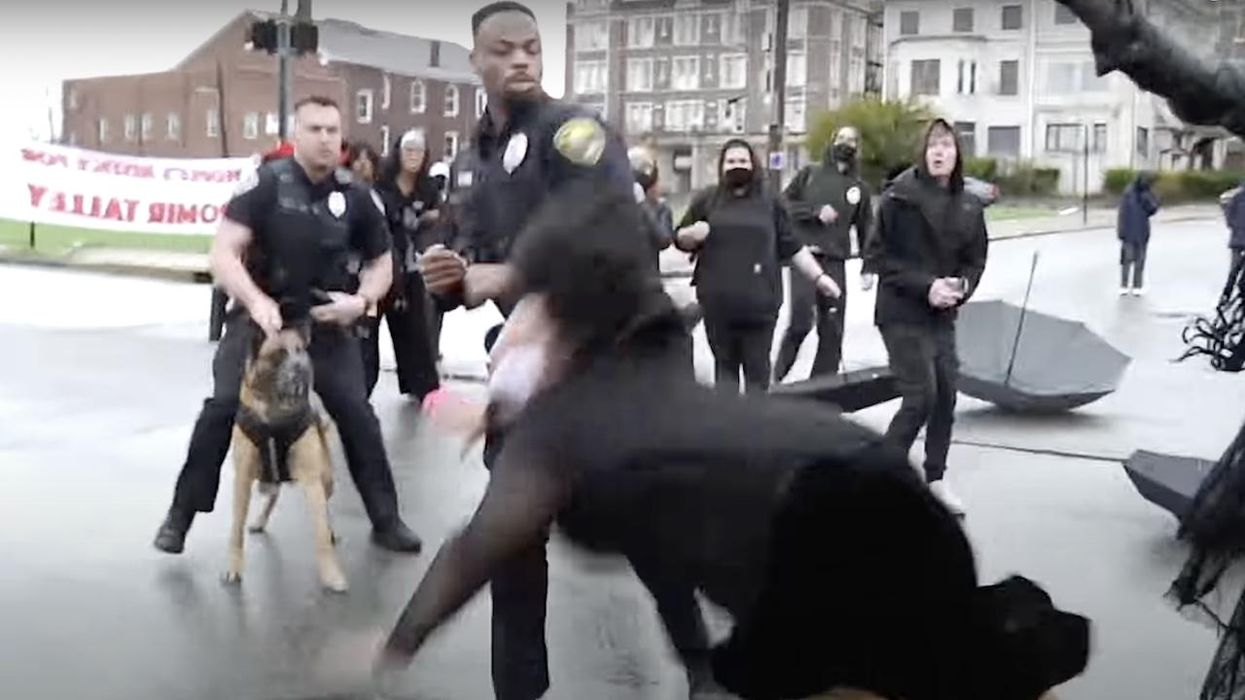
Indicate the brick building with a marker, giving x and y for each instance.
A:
(222, 99)
(685, 75)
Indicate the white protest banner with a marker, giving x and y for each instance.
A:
(66, 186)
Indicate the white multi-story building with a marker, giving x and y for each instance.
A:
(1018, 79)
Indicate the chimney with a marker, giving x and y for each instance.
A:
(434, 60)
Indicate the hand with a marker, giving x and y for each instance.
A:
(484, 282)
(828, 215)
(828, 287)
(343, 310)
(266, 314)
(443, 270)
(699, 230)
(944, 294)
(867, 280)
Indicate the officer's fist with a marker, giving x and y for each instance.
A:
(828, 215)
(443, 270)
(343, 309)
(266, 314)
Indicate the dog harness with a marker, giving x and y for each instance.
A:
(274, 439)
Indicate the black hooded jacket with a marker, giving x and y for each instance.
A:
(924, 231)
(818, 185)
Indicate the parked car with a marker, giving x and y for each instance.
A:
(987, 192)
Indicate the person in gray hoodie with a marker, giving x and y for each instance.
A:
(826, 202)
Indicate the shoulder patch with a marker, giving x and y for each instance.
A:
(580, 140)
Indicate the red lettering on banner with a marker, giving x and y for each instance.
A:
(58, 201)
(43, 158)
(131, 207)
(211, 213)
(36, 195)
(214, 176)
(114, 210)
(155, 213)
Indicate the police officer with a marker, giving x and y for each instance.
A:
(825, 201)
(292, 230)
(528, 147)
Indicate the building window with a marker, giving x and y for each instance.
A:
(1009, 78)
(72, 100)
(174, 126)
(665, 30)
(131, 127)
(737, 28)
(481, 102)
(1063, 138)
(272, 124)
(661, 74)
(1064, 16)
(384, 140)
(250, 126)
(590, 77)
(639, 117)
(926, 77)
(363, 106)
(685, 115)
(640, 74)
(797, 69)
(148, 125)
(1064, 78)
(686, 73)
(968, 138)
(213, 123)
(1100, 138)
(967, 81)
(686, 30)
(1013, 17)
(734, 71)
(909, 23)
(102, 128)
(419, 97)
(386, 89)
(451, 102)
(289, 124)
(640, 32)
(711, 28)
(73, 138)
(1143, 142)
(592, 36)
(797, 22)
(962, 20)
(734, 116)
(451, 144)
(1003, 141)
(794, 115)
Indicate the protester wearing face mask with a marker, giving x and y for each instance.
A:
(929, 249)
(826, 201)
(741, 236)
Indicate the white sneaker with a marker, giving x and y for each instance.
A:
(942, 491)
(1123, 291)
(1139, 291)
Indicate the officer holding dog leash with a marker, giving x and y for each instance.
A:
(293, 229)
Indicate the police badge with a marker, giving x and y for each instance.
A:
(516, 151)
(337, 204)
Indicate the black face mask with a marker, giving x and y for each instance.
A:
(738, 177)
(646, 179)
(843, 153)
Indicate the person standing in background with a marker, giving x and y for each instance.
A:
(929, 249)
(1133, 227)
(364, 162)
(1234, 213)
(411, 201)
(741, 235)
(826, 202)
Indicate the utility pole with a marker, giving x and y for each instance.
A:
(778, 95)
(1085, 177)
(283, 64)
(287, 37)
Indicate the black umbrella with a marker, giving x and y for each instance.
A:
(1167, 481)
(850, 391)
(1032, 362)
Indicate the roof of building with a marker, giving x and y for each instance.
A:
(349, 42)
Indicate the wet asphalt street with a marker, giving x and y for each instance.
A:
(101, 378)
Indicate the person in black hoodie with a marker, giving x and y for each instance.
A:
(741, 235)
(411, 200)
(826, 201)
(929, 250)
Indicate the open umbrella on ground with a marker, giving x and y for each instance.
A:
(1031, 362)
(850, 391)
(1167, 481)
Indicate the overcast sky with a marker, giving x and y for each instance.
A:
(47, 41)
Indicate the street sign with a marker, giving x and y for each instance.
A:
(777, 160)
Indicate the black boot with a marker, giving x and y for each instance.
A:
(397, 538)
(171, 537)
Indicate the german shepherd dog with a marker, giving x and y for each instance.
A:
(282, 434)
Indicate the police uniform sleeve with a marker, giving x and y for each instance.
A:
(369, 228)
(253, 199)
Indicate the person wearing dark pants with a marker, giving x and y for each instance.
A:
(1133, 228)
(291, 231)
(741, 235)
(1234, 214)
(929, 250)
(826, 202)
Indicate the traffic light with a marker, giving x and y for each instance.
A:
(304, 37)
(263, 36)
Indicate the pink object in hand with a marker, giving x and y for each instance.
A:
(436, 399)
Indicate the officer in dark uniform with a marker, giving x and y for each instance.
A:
(526, 148)
(290, 231)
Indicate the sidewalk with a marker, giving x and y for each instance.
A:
(192, 267)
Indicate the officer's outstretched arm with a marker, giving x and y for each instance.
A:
(225, 263)
(376, 277)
